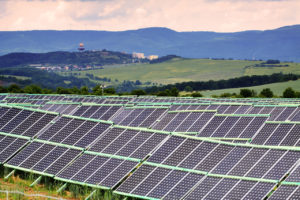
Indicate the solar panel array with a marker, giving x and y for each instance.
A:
(157, 148)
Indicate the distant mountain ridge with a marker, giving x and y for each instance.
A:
(282, 43)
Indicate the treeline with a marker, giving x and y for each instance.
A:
(264, 93)
(42, 78)
(245, 81)
(174, 92)
(99, 58)
(36, 89)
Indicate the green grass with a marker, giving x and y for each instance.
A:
(181, 70)
(48, 187)
(277, 88)
(18, 77)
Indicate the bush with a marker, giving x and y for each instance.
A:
(196, 94)
(110, 91)
(174, 92)
(138, 92)
(247, 93)
(289, 93)
(267, 92)
(226, 95)
(188, 89)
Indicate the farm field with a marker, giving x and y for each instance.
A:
(181, 70)
(277, 88)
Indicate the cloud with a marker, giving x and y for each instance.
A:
(181, 15)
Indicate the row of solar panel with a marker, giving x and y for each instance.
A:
(118, 141)
(160, 182)
(37, 157)
(75, 98)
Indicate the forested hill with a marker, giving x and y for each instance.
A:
(97, 58)
(282, 43)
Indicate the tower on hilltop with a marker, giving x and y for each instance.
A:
(81, 47)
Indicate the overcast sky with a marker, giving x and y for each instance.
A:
(179, 15)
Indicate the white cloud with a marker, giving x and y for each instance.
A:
(181, 15)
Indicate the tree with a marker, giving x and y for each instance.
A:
(14, 88)
(196, 94)
(174, 92)
(33, 89)
(273, 62)
(138, 82)
(289, 93)
(226, 95)
(166, 92)
(188, 88)
(47, 91)
(3, 89)
(246, 93)
(267, 92)
(61, 90)
(75, 90)
(110, 90)
(97, 90)
(138, 92)
(84, 90)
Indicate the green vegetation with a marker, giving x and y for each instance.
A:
(92, 58)
(21, 182)
(39, 77)
(277, 89)
(182, 70)
(245, 81)
(17, 77)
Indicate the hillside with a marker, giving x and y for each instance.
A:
(97, 58)
(282, 43)
(183, 70)
(277, 88)
(24, 76)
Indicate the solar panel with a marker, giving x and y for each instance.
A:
(239, 190)
(157, 153)
(11, 148)
(283, 192)
(260, 190)
(166, 184)
(182, 187)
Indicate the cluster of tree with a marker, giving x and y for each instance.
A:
(271, 62)
(128, 86)
(91, 76)
(62, 57)
(45, 79)
(163, 59)
(35, 89)
(98, 90)
(265, 93)
(244, 81)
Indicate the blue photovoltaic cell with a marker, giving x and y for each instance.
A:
(164, 165)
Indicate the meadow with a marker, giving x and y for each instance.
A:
(277, 88)
(181, 70)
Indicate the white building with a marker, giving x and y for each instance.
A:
(138, 55)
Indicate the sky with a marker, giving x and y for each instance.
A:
(117, 15)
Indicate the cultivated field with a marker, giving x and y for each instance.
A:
(180, 70)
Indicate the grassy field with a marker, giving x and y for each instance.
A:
(277, 88)
(180, 70)
(177, 70)
(17, 184)
(18, 77)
